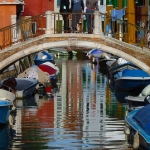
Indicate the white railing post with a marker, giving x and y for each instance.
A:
(97, 23)
(100, 23)
(14, 29)
(48, 22)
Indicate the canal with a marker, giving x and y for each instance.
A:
(82, 114)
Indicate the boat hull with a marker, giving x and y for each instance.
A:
(116, 71)
(132, 85)
(25, 87)
(5, 108)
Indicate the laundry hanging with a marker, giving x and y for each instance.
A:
(117, 14)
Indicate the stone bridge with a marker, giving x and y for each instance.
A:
(137, 55)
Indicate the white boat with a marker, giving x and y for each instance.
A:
(36, 73)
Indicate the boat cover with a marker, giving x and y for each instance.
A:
(134, 73)
(143, 118)
(35, 72)
(44, 55)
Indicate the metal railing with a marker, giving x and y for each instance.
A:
(22, 31)
(71, 23)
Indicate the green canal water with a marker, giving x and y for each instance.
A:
(83, 114)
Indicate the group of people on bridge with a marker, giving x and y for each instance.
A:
(77, 7)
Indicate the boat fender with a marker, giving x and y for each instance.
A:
(136, 141)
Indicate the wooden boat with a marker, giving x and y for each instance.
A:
(137, 127)
(43, 57)
(6, 102)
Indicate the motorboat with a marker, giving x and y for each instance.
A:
(135, 101)
(115, 72)
(137, 126)
(6, 103)
(42, 57)
(102, 61)
(132, 81)
(94, 54)
(50, 68)
(25, 87)
(34, 72)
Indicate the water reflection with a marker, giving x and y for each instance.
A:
(83, 114)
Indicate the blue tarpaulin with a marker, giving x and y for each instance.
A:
(117, 14)
(143, 118)
(134, 73)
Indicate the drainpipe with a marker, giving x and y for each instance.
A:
(48, 22)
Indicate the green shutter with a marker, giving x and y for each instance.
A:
(115, 3)
(109, 2)
(124, 3)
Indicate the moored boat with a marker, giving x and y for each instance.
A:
(50, 68)
(132, 81)
(115, 71)
(94, 54)
(21, 87)
(137, 127)
(25, 87)
(7, 98)
(43, 57)
(140, 100)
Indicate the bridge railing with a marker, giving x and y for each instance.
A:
(59, 23)
(22, 31)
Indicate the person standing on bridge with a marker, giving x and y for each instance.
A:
(91, 6)
(64, 9)
(77, 6)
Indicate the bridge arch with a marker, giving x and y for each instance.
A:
(72, 42)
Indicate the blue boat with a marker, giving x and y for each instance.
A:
(43, 57)
(132, 81)
(6, 102)
(137, 127)
(115, 72)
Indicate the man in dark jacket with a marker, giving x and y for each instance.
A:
(91, 6)
(64, 8)
(77, 6)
